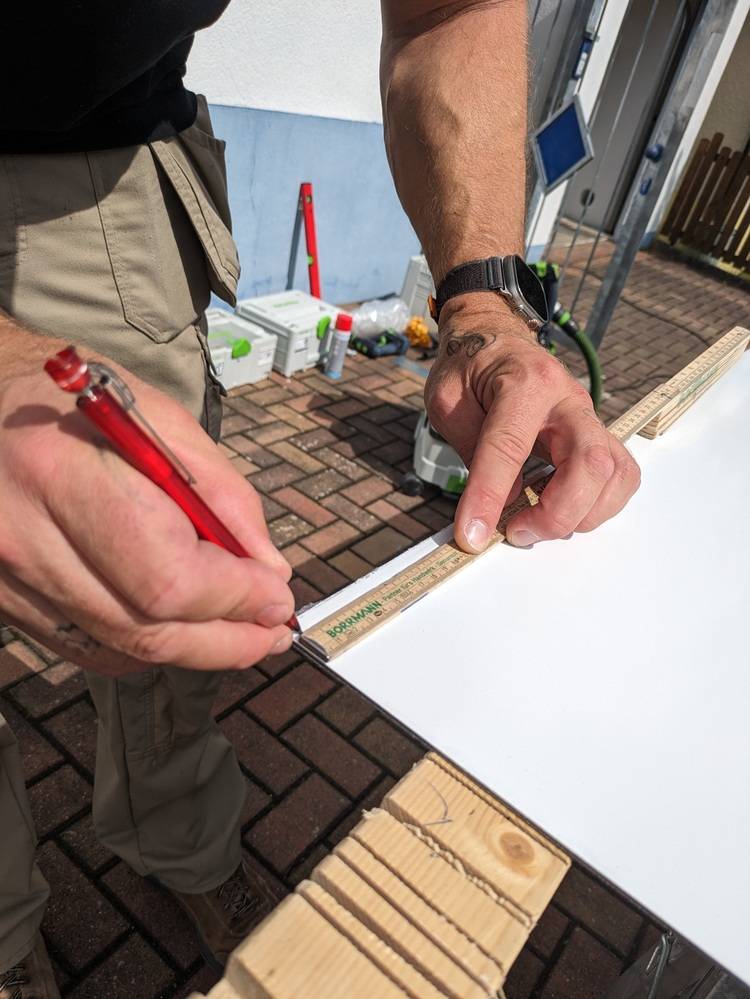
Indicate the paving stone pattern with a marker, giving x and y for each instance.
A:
(667, 315)
(327, 458)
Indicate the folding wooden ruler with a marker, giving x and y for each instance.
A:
(650, 417)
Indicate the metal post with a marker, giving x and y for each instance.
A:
(602, 152)
(585, 17)
(688, 83)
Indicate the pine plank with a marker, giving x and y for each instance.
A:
(520, 868)
(393, 911)
(400, 970)
(297, 954)
(499, 930)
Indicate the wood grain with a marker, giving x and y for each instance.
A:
(519, 868)
(298, 954)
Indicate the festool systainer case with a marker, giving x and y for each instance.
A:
(418, 286)
(435, 461)
(301, 323)
(242, 352)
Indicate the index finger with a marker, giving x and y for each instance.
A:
(583, 468)
(505, 442)
(146, 549)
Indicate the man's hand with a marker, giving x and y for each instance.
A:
(99, 564)
(453, 79)
(498, 397)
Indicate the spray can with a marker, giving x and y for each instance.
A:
(339, 343)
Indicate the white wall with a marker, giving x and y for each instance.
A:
(318, 58)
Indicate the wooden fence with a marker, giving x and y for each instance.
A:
(711, 210)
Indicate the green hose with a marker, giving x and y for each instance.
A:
(588, 350)
(549, 276)
(563, 319)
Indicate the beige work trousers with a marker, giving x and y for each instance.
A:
(119, 250)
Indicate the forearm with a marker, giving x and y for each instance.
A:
(454, 84)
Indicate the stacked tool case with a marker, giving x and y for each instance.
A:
(301, 323)
(241, 352)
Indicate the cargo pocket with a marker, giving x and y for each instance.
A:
(194, 163)
(12, 229)
(157, 260)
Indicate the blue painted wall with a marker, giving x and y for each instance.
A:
(364, 237)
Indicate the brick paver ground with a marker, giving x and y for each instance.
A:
(327, 458)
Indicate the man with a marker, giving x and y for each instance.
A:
(114, 228)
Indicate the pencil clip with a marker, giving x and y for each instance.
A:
(107, 377)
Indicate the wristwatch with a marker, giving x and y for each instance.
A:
(510, 277)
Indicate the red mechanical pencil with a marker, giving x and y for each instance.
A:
(148, 454)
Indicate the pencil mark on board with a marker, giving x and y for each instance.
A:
(445, 818)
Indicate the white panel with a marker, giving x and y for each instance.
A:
(282, 55)
(616, 718)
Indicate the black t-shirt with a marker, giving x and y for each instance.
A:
(96, 74)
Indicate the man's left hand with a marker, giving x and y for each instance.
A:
(498, 397)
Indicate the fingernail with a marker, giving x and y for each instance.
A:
(522, 539)
(477, 534)
(269, 617)
(284, 643)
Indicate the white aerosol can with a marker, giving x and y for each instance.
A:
(339, 344)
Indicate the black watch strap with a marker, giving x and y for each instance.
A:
(476, 275)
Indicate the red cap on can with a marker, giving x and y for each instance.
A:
(343, 322)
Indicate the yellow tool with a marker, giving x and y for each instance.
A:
(418, 334)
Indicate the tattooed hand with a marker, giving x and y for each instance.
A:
(467, 343)
(498, 397)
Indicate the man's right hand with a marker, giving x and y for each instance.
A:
(100, 565)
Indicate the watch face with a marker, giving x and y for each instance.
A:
(531, 288)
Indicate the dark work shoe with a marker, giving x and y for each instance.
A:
(224, 917)
(32, 978)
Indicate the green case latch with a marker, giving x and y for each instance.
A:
(240, 346)
(456, 484)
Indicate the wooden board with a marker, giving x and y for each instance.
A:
(513, 863)
(381, 953)
(434, 916)
(391, 912)
(498, 930)
(397, 914)
(298, 954)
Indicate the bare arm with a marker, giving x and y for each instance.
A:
(96, 562)
(454, 84)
